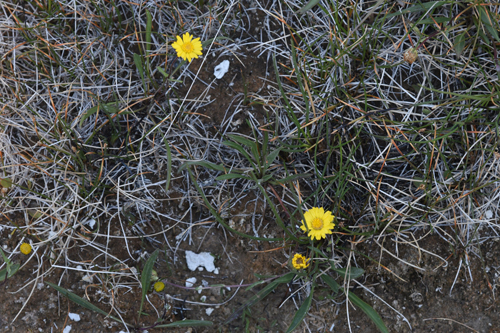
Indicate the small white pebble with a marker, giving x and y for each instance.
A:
(67, 329)
(488, 214)
(203, 298)
(216, 271)
(190, 282)
(74, 316)
(209, 311)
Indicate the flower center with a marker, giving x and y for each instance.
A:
(187, 47)
(300, 261)
(317, 223)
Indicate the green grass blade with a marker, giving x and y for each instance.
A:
(232, 176)
(350, 274)
(146, 276)
(149, 25)
(187, 323)
(83, 302)
(334, 286)
(488, 22)
(308, 6)
(169, 164)
(13, 269)
(271, 157)
(368, 310)
(460, 43)
(205, 164)
(140, 68)
(420, 7)
(301, 313)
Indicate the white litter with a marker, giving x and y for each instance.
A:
(221, 69)
(67, 329)
(74, 316)
(190, 282)
(204, 259)
(489, 214)
(209, 311)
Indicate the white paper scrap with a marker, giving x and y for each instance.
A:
(204, 259)
(221, 69)
(74, 316)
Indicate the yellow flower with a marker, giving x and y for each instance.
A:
(187, 48)
(25, 248)
(318, 223)
(299, 261)
(159, 286)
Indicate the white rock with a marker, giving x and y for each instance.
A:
(203, 298)
(216, 271)
(203, 259)
(87, 278)
(489, 214)
(209, 311)
(67, 329)
(74, 316)
(190, 282)
(221, 69)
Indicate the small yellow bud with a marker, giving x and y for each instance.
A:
(25, 248)
(159, 286)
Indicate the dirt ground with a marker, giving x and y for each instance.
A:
(431, 296)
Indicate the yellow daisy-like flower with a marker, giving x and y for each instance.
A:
(25, 248)
(299, 261)
(187, 48)
(318, 223)
(159, 286)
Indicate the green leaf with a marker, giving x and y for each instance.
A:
(83, 302)
(488, 22)
(5, 182)
(308, 6)
(272, 156)
(260, 295)
(460, 43)
(351, 274)
(301, 313)
(149, 25)
(146, 276)
(169, 163)
(187, 323)
(106, 107)
(205, 164)
(368, 310)
(331, 283)
(9, 271)
(232, 176)
(420, 7)
(242, 140)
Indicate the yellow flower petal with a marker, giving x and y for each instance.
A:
(187, 48)
(318, 223)
(299, 261)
